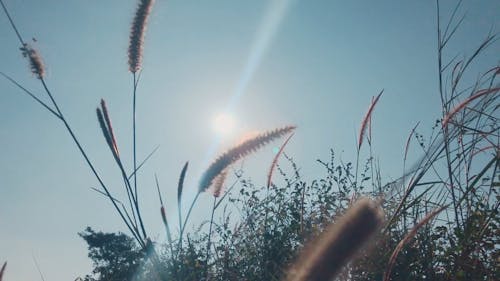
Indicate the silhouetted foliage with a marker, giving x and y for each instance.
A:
(115, 256)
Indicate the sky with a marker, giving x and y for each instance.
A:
(315, 64)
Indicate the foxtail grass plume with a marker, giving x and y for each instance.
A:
(326, 255)
(406, 239)
(137, 34)
(366, 119)
(275, 161)
(180, 185)
(110, 127)
(238, 152)
(107, 129)
(36, 63)
(467, 101)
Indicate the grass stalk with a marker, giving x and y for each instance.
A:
(210, 235)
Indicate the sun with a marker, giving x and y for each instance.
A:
(223, 124)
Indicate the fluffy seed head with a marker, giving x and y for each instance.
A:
(238, 152)
(137, 34)
(36, 63)
(326, 255)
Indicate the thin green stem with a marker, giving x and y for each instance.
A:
(143, 162)
(135, 154)
(134, 131)
(30, 94)
(89, 163)
(210, 235)
(187, 217)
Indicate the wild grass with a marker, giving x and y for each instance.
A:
(438, 221)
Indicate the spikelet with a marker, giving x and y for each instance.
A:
(463, 104)
(406, 239)
(137, 35)
(326, 255)
(36, 63)
(275, 160)
(238, 152)
(366, 119)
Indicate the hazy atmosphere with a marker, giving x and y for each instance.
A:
(213, 73)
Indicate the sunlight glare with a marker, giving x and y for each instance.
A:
(224, 124)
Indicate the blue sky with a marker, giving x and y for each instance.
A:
(317, 65)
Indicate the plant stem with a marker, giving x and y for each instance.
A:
(210, 235)
(89, 163)
(187, 217)
(135, 156)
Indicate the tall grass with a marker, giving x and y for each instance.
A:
(437, 221)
